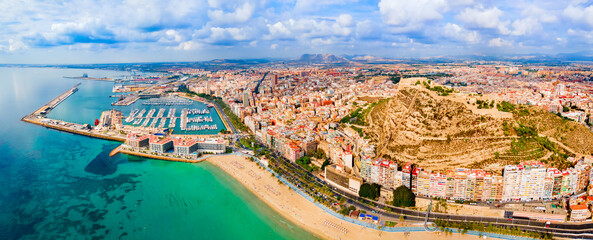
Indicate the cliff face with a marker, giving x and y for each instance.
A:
(435, 132)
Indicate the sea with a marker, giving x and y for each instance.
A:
(57, 185)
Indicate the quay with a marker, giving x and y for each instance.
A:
(56, 101)
(38, 117)
(72, 128)
(132, 98)
(123, 150)
(92, 78)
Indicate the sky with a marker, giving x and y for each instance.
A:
(107, 31)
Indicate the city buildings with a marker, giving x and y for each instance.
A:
(180, 145)
(136, 141)
(160, 145)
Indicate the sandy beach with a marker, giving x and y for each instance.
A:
(299, 210)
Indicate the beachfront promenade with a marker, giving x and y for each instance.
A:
(302, 209)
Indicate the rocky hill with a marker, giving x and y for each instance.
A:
(321, 59)
(441, 131)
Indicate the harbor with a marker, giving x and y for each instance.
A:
(169, 115)
(110, 124)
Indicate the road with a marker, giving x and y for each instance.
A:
(226, 118)
(557, 229)
(256, 90)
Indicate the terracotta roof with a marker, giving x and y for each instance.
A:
(578, 207)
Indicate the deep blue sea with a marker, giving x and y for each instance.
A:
(56, 185)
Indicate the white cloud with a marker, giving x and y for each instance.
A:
(484, 18)
(274, 46)
(345, 20)
(526, 26)
(578, 34)
(543, 15)
(13, 46)
(189, 45)
(319, 41)
(499, 42)
(315, 5)
(279, 31)
(367, 30)
(411, 14)
(456, 32)
(171, 36)
(306, 28)
(218, 34)
(241, 14)
(579, 15)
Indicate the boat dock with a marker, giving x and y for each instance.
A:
(168, 101)
(45, 109)
(132, 98)
(219, 111)
(185, 120)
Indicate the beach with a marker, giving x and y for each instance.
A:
(304, 213)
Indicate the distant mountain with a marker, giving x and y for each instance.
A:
(239, 61)
(321, 59)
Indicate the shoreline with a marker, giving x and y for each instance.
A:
(294, 207)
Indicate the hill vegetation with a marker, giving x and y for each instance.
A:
(428, 126)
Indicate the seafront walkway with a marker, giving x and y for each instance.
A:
(359, 222)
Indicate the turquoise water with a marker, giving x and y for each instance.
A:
(58, 185)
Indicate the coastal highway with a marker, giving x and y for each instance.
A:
(226, 118)
(570, 230)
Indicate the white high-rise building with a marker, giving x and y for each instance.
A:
(512, 183)
(532, 182)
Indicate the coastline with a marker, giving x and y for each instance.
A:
(301, 211)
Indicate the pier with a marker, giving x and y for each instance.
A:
(38, 117)
(72, 128)
(168, 101)
(132, 98)
(45, 109)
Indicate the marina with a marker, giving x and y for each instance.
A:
(131, 117)
(198, 111)
(168, 101)
(191, 119)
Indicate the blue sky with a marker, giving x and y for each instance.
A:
(89, 31)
